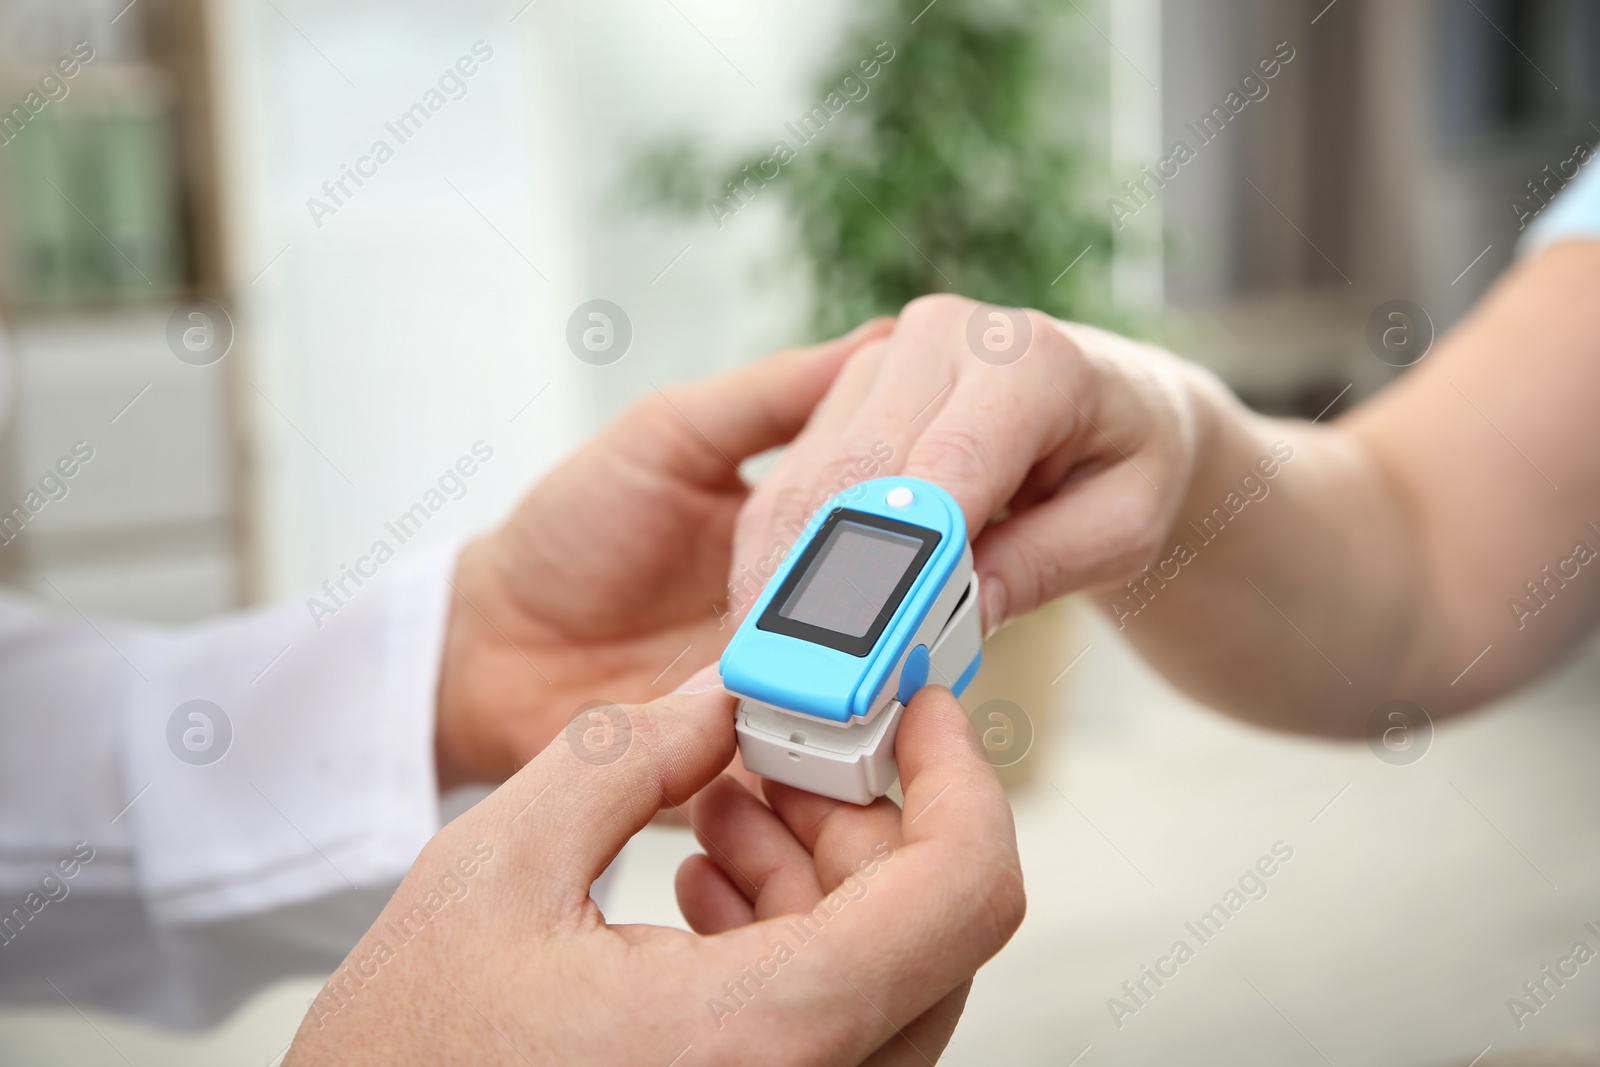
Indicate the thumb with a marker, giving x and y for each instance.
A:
(1096, 531)
(947, 898)
(605, 776)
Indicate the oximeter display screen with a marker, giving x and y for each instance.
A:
(851, 579)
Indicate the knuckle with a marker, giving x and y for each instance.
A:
(647, 731)
(936, 308)
(997, 902)
(652, 412)
(870, 353)
(861, 368)
(1057, 341)
(1008, 903)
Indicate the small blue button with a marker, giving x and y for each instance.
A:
(914, 675)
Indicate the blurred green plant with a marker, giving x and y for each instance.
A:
(963, 167)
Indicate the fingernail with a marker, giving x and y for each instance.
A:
(707, 677)
(994, 606)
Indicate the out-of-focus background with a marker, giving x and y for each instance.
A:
(375, 330)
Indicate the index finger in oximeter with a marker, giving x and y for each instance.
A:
(876, 599)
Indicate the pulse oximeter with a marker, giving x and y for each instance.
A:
(876, 599)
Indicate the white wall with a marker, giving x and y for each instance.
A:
(406, 327)
(730, 73)
(415, 321)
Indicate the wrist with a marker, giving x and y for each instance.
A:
(1229, 441)
(492, 710)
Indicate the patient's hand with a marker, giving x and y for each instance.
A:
(1070, 463)
(491, 951)
(606, 581)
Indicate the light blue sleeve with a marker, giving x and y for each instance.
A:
(1575, 213)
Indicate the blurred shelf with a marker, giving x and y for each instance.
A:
(157, 496)
(109, 217)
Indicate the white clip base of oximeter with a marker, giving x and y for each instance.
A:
(853, 762)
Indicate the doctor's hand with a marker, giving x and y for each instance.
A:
(607, 581)
(829, 934)
(800, 854)
(1071, 450)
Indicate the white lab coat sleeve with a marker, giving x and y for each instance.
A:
(251, 790)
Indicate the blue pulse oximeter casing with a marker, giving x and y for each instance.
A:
(876, 599)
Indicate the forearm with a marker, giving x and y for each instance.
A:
(1433, 546)
(1287, 588)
